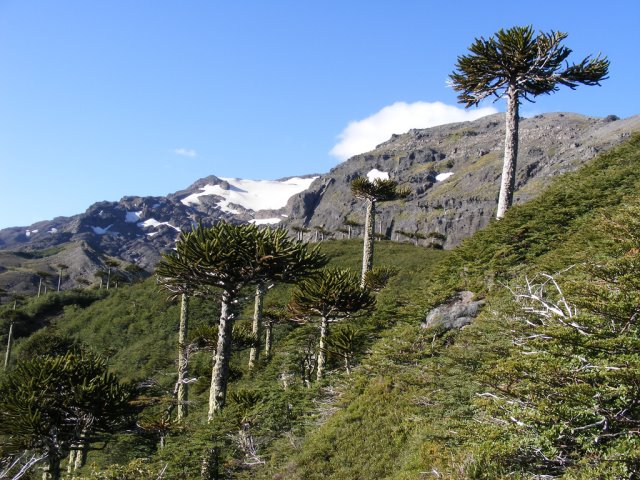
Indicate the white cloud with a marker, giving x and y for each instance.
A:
(363, 135)
(186, 152)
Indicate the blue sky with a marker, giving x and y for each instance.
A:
(101, 99)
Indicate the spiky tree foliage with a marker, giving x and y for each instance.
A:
(229, 257)
(246, 402)
(567, 400)
(332, 295)
(291, 277)
(372, 192)
(343, 343)
(516, 64)
(50, 405)
(378, 277)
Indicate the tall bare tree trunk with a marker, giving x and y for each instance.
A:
(508, 180)
(7, 355)
(254, 353)
(322, 354)
(182, 395)
(220, 371)
(78, 454)
(39, 287)
(367, 251)
(268, 339)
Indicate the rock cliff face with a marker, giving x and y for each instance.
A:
(454, 173)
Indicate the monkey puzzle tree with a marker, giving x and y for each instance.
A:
(230, 257)
(111, 265)
(284, 255)
(272, 316)
(182, 387)
(514, 65)
(372, 192)
(332, 295)
(52, 405)
(61, 267)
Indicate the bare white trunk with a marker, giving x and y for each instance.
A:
(39, 287)
(268, 340)
(220, 371)
(508, 180)
(367, 251)
(7, 355)
(322, 354)
(256, 327)
(182, 396)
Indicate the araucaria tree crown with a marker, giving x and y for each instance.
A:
(516, 64)
(531, 65)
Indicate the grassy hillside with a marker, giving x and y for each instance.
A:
(136, 328)
(411, 410)
(418, 403)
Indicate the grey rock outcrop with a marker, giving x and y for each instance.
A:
(457, 312)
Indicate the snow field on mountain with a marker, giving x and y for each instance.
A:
(253, 195)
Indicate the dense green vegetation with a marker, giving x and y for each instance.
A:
(522, 391)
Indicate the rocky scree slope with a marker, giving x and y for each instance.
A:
(454, 173)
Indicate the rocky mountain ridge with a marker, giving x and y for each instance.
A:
(134, 230)
(452, 170)
(454, 173)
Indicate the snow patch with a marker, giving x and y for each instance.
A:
(152, 222)
(52, 230)
(443, 176)
(253, 195)
(265, 221)
(132, 217)
(376, 174)
(100, 230)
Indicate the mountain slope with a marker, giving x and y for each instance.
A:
(454, 173)
(136, 230)
(410, 408)
(413, 407)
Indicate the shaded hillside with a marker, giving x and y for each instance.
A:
(464, 202)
